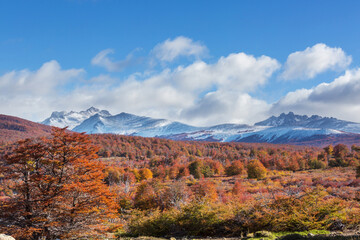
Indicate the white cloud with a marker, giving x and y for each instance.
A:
(39, 82)
(30, 94)
(200, 93)
(176, 94)
(102, 59)
(180, 46)
(227, 107)
(313, 61)
(339, 98)
(238, 71)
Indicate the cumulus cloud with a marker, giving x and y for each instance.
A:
(313, 61)
(199, 93)
(227, 107)
(339, 98)
(237, 71)
(171, 49)
(102, 59)
(176, 94)
(29, 93)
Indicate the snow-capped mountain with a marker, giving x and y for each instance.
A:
(287, 134)
(72, 119)
(286, 128)
(315, 121)
(129, 124)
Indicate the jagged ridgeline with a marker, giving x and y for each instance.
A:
(286, 128)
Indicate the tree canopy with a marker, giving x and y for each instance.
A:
(58, 188)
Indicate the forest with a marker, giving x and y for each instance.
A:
(72, 186)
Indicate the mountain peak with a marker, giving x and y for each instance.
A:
(283, 119)
(290, 114)
(72, 118)
(284, 128)
(57, 114)
(294, 120)
(92, 109)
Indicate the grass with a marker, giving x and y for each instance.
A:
(270, 236)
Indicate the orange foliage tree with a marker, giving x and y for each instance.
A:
(205, 190)
(235, 168)
(58, 188)
(145, 174)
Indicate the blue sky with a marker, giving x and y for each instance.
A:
(200, 62)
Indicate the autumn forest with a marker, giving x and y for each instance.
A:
(72, 185)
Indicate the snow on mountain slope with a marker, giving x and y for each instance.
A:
(219, 133)
(352, 128)
(286, 128)
(129, 124)
(315, 121)
(286, 134)
(72, 119)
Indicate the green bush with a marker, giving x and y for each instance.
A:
(195, 219)
(157, 224)
(314, 209)
(316, 164)
(195, 169)
(256, 169)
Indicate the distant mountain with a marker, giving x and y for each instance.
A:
(14, 128)
(72, 119)
(286, 128)
(129, 124)
(315, 121)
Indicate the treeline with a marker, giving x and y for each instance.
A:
(166, 159)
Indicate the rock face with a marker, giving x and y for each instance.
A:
(6, 237)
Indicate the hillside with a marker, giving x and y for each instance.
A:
(14, 128)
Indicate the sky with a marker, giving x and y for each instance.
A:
(201, 62)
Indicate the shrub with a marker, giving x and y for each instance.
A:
(205, 190)
(195, 219)
(195, 169)
(145, 174)
(235, 168)
(316, 164)
(200, 219)
(256, 169)
(312, 210)
(146, 196)
(158, 224)
(113, 175)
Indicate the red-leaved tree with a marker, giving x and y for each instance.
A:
(58, 189)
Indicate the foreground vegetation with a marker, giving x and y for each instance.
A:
(56, 188)
(248, 206)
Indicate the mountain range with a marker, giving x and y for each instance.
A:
(285, 128)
